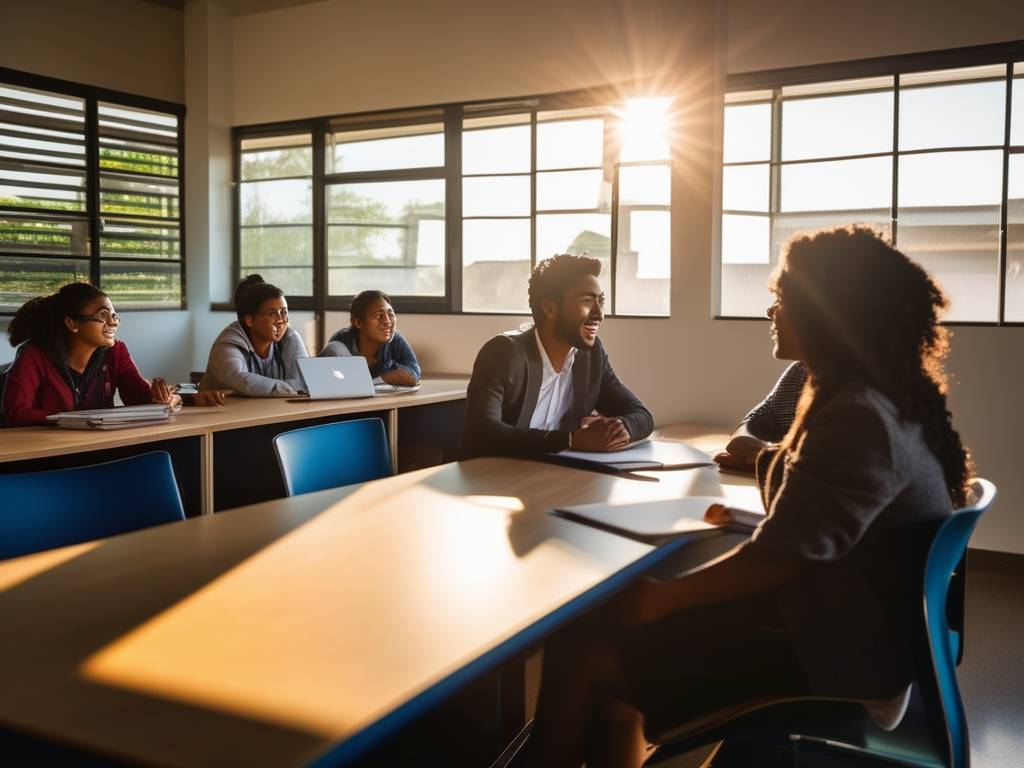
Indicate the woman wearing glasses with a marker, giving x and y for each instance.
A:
(257, 355)
(70, 360)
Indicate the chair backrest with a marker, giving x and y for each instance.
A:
(946, 551)
(43, 510)
(331, 455)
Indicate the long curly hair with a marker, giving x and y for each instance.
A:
(41, 320)
(865, 312)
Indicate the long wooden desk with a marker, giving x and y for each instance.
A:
(314, 625)
(202, 424)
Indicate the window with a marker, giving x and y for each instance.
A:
(448, 208)
(90, 189)
(927, 156)
(275, 221)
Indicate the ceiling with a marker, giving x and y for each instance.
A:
(239, 7)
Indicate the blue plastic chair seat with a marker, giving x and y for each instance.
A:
(332, 455)
(55, 508)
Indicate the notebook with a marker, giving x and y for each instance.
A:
(336, 378)
(115, 418)
(644, 455)
(655, 522)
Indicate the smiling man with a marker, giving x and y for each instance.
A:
(551, 387)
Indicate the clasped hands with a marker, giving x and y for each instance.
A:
(600, 433)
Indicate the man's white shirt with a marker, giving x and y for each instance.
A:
(555, 397)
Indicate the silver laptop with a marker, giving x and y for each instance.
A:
(336, 378)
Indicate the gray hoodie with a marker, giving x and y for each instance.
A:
(233, 364)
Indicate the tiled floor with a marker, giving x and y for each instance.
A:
(992, 673)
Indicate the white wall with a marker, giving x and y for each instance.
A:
(127, 45)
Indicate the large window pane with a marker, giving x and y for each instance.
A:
(1015, 241)
(961, 115)
(572, 190)
(855, 124)
(644, 263)
(22, 279)
(747, 133)
(496, 196)
(644, 127)
(951, 178)
(645, 185)
(839, 185)
(745, 188)
(490, 148)
(495, 265)
(745, 239)
(277, 157)
(270, 247)
(582, 234)
(382, 149)
(948, 220)
(1017, 108)
(570, 143)
(141, 284)
(386, 235)
(288, 201)
(276, 233)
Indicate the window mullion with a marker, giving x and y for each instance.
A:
(774, 172)
(320, 275)
(453, 207)
(895, 203)
(1003, 223)
(92, 186)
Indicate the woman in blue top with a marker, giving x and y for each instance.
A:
(373, 333)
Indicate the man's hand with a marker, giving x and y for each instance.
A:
(600, 434)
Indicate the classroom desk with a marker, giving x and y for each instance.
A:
(202, 424)
(316, 625)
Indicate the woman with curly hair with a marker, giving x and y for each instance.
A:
(71, 361)
(815, 603)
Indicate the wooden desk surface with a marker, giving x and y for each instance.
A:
(39, 442)
(268, 634)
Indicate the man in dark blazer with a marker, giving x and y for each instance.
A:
(550, 386)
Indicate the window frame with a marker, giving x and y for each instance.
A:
(453, 115)
(774, 80)
(92, 97)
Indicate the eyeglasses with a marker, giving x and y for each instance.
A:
(277, 314)
(104, 316)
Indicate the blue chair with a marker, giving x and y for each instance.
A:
(43, 510)
(934, 731)
(331, 455)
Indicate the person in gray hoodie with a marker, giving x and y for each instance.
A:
(256, 356)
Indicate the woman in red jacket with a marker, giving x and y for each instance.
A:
(71, 360)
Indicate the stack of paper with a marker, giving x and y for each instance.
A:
(114, 418)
